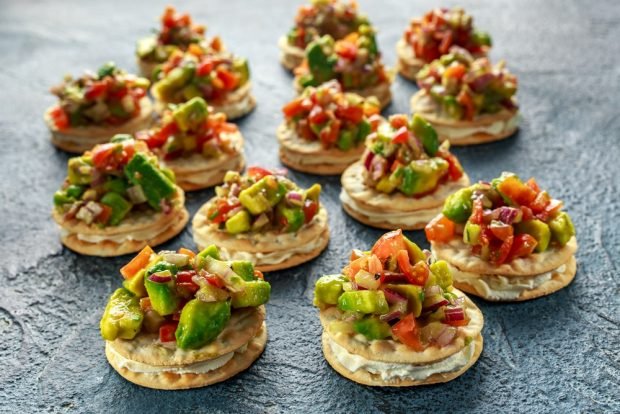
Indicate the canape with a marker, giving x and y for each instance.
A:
(94, 107)
(221, 78)
(264, 217)
(183, 320)
(354, 61)
(325, 129)
(177, 33)
(321, 17)
(506, 240)
(431, 36)
(117, 199)
(393, 318)
(468, 101)
(199, 146)
(403, 177)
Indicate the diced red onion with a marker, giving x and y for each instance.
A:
(434, 302)
(454, 313)
(377, 167)
(393, 297)
(480, 82)
(446, 336)
(509, 215)
(176, 259)
(391, 316)
(159, 279)
(393, 277)
(368, 160)
(295, 198)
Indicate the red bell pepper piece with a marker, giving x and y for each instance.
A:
(440, 229)
(167, 331)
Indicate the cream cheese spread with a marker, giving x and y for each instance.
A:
(495, 128)
(272, 257)
(119, 238)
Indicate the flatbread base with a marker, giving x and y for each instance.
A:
(366, 378)
(171, 381)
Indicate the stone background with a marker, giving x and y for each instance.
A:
(555, 354)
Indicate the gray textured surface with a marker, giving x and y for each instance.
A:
(556, 354)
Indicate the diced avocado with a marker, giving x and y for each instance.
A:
(146, 46)
(313, 192)
(372, 328)
(176, 79)
(262, 195)
(136, 284)
(107, 69)
(117, 185)
(239, 223)
(255, 293)
(363, 301)
(292, 217)
(328, 289)
(163, 297)
(458, 205)
(425, 133)
(210, 251)
(386, 185)
(191, 114)
(481, 38)
(75, 191)
(427, 173)
(160, 266)
(415, 253)
(191, 91)
(363, 130)
(471, 233)
(156, 185)
(320, 65)
(61, 197)
(414, 295)
(201, 322)
(537, 229)
(122, 317)
(120, 207)
(243, 268)
(443, 276)
(120, 138)
(562, 228)
(240, 65)
(210, 293)
(346, 140)
(79, 170)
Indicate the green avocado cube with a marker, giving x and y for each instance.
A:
(425, 133)
(156, 185)
(414, 295)
(210, 251)
(537, 229)
(422, 176)
(255, 293)
(75, 191)
(120, 207)
(136, 284)
(122, 317)
(117, 185)
(415, 253)
(386, 185)
(174, 81)
(262, 195)
(471, 233)
(292, 217)
(191, 114)
(372, 328)
(61, 197)
(313, 192)
(328, 289)
(242, 68)
(201, 322)
(243, 268)
(79, 170)
(163, 296)
(239, 223)
(346, 140)
(443, 275)
(363, 301)
(562, 228)
(458, 206)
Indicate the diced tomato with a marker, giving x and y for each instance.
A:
(187, 252)
(407, 332)
(104, 216)
(168, 18)
(216, 43)
(185, 276)
(455, 170)
(355, 266)
(317, 115)
(355, 254)
(229, 79)
(540, 203)
(215, 281)
(350, 113)
(120, 92)
(462, 322)
(527, 213)
(399, 121)
(145, 304)
(446, 42)
(329, 134)
(375, 120)
(167, 331)
(183, 20)
(60, 118)
(347, 50)
(515, 190)
(416, 274)
(456, 71)
(477, 212)
(95, 90)
(401, 136)
(551, 209)
(501, 230)
(374, 264)
(533, 185)
(258, 274)
(218, 215)
(310, 209)
(389, 245)
(440, 229)
(258, 172)
(137, 263)
(293, 108)
(522, 245)
(466, 101)
(500, 255)
(204, 67)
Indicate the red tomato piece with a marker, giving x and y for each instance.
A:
(467, 103)
(522, 245)
(137, 263)
(540, 203)
(401, 135)
(389, 245)
(167, 331)
(455, 170)
(500, 255)
(440, 229)
(60, 117)
(104, 216)
(310, 209)
(187, 252)
(515, 190)
(407, 332)
(374, 264)
(102, 154)
(350, 113)
(533, 184)
(95, 90)
(204, 68)
(456, 71)
(399, 121)
(229, 79)
(258, 172)
(293, 108)
(215, 281)
(501, 230)
(317, 115)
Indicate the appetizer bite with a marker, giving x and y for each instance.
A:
(219, 77)
(324, 129)
(183, 320)
(321, 17)
(468, 101)
(94, 107)
(264, 217)
(177, 33)
(430, 37)
(199, 146)
(506, 240)
(354, 61)
(393, 318)
(117, 199)
(403, 177)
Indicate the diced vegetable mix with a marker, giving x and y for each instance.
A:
(432, 35)
(335, 119)
(183, 297)
(108, 97)
(354, 61)
(503, 220)
(190, 128)
(106, 183)
(464, 87)
(403, 154)
(262, 200)
(325, 17)
(394, 291)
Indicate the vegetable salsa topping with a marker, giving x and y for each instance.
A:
(464, 87)
(190, 128)
(503, 220)
(324, 17)
(109, 97)
(395, 291)
(354, 61)
(438, 30)
(113, 179)
(262, 200)
(404, 155)
(182, 296)
(328, 115)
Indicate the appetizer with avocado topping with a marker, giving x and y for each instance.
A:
(468, 100)
(325, 129)
(117, 199)
(321, 17)
(96, 106)
(219, 77)
(198, 145)
(431, 36)
(354, 61)
(393, 318)
(185, 320)
(177, 33)
(264, 217)
(403, 177)
(506, 240)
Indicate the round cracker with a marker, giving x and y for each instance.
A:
(366, 378)
(408, 65)
(559, 280)
(172, 381)
(384, 224)
(459, 255)
(290, 56)
(81, 139)
(145, 348)
(381, 91)
(296, 259)
(388, 350)
(211, 177)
